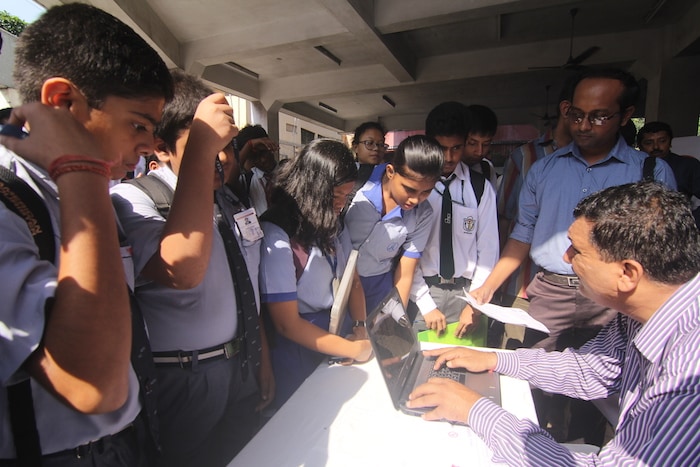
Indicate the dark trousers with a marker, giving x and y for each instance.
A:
(206, 412)
(125, 449)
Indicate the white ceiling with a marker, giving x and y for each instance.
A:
(416, 52)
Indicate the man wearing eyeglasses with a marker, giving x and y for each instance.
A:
(603, 101)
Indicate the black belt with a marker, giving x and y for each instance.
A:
(567, 280)
(437, 280)
(98, 445)
(184, 358)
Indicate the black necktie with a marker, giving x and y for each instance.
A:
(447, 263)
(247, 309)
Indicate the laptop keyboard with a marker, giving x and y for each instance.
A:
(445, 372)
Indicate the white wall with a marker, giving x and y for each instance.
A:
(8, 96)
(290, 133)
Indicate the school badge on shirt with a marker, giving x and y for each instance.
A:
(468, 224)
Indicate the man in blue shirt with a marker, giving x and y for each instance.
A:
(635, 248)
(603, 102)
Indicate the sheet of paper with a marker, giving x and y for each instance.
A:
(506, 314)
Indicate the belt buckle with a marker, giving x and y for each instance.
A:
(228, 350)
(573, 281)
(232, 348)
(183, 359)
(446, 281)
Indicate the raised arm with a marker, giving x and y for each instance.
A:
(83, 358)
(185, 246)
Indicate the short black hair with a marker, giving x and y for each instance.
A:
(483, 120)
(249, 132)
(98, 53)
(630, 94)
(448, 119)
(648, 223)
(653, 127)
(179, 112)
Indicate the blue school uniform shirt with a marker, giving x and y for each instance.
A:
(554, 186)
(314, 289)
(379, 239)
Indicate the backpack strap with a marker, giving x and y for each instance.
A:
(648, 168)
(156, 189)
(478, 182)
(21, 199)
(485, 169)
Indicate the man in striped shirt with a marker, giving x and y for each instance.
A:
(635, 248)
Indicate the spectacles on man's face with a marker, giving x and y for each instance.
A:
(597, 118)
(373, 145)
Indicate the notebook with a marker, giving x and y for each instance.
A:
(402, 363)
(342, 295)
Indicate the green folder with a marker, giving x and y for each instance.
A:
(477, 338)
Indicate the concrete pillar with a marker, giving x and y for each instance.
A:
(679, 99)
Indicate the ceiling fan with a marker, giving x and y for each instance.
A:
(572, 62)
(546, 118)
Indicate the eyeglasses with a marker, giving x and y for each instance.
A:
(371, 145)
(594, 118)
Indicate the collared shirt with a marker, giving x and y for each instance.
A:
(554, 186)
(654, 367)
(474, 236)
(197, 318)
(380, 239)
(514, 172)
(314, 289)
(257, 190)
(26, 284)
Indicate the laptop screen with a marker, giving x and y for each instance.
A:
(393, 341)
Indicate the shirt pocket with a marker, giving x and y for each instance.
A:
(465, 220)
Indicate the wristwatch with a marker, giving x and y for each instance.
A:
(358, 324)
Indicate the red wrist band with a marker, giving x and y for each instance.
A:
(73, 163)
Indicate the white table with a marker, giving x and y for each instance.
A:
(343, 416)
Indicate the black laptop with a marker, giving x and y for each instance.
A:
(402, 363)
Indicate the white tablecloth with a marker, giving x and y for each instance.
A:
(343, 416)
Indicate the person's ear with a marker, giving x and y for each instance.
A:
(390, 171)
(626, 115)
(61, 92)
(632, 273)
(160, 149)
(564, 107)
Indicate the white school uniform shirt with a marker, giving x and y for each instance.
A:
(475, 244)
(256, 191)
(380, 238)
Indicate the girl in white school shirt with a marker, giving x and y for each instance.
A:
(388, 221)
(304, 249)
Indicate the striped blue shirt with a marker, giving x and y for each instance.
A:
(654, 367)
